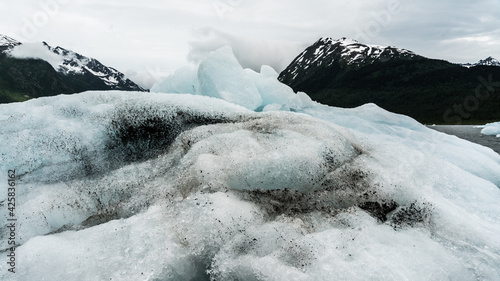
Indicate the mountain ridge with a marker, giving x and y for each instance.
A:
(25, 78)
(77, 64)
(489, 61)
(7, 42)
(350, 74)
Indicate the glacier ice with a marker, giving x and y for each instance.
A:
(220, 75)
(168, 186)
(182, 81)
(491, 129)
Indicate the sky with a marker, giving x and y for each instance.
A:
(148, 40)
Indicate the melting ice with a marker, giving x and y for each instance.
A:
(491, 129)
(226, 174)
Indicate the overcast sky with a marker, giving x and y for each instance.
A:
(149, 39)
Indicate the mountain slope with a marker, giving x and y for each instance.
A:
(76, 64)
(22, 79)
(7, 43)
(346, 73)
(25, 78)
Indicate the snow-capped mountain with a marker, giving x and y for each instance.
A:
(37, 70)
(76, 64)
(344, 52)
(347, 73)
(489, 61)
(7, 43)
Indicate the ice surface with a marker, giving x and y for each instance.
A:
(183, 81)
(491, 129)
(268, 71)
(373, 121)
(221, 76)
(156, 186)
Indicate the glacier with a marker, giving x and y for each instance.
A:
(220, 75)
(223, 173)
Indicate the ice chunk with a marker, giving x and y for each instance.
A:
(275, 107)
(148, 186)
(305, 99)
(274, 92)
(491, 129)
(268, 71)
(183, 81)
(221, 76)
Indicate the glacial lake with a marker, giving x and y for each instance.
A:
(470, 133)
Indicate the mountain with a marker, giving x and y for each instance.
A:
(346, 73)
(488, 61)
(78, 65)
(7, 43)
(25, 78)
(328, 58)
(326, 53)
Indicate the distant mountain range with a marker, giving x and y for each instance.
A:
(488, 61)
(25, 78)
(346, 73)
(343, 73)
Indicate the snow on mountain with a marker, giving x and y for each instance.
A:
(7, 43)
(76, 64)
(489, 61)
(344, 51)
(164, 186)
(69, 63)
(345, 73)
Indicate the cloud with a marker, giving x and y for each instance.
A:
(251, 53)
(136, 36)
(36, 51)
(148, 76)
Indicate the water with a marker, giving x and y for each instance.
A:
(470, 133)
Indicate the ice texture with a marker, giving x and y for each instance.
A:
(492, 129)
(158, 186)
(220, 75)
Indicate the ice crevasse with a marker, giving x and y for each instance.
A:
(224, 173)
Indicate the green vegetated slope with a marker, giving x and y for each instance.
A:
(23, 79)
(429, 90)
